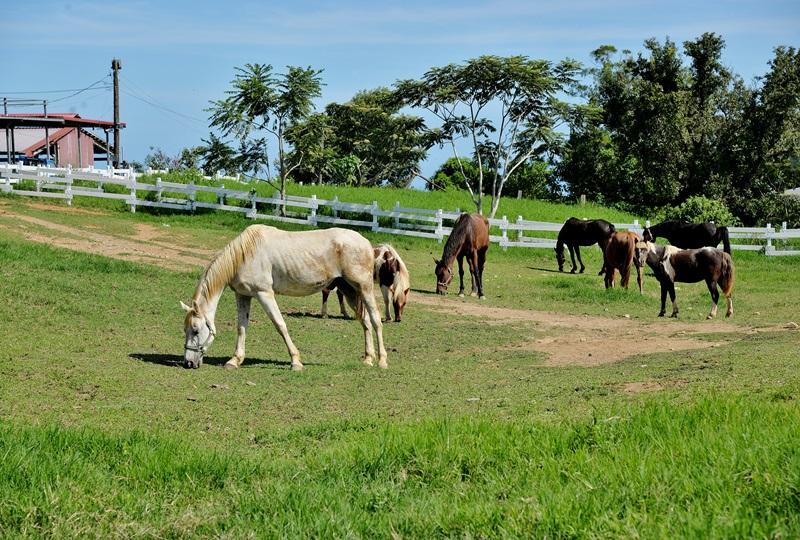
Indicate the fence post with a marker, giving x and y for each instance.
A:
(160, 189)
(312, 217)
(769, 248)
(636, 226)
(68, 193)
(374, 211)
(504, 233)
(221, 195)
(519, 231)
(439, 232)
(276, 210)
(132, 187)
(252, 213)
(335, 206)
(397, 218)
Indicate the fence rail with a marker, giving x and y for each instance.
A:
(60, 183)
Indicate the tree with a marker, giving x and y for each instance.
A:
(503, 108)
(368, 131)
(261, 104)
(217, 156)
(160, 160)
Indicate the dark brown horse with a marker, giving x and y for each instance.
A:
(470, 239)
(670, 264)
(581, 232)
(619, 254)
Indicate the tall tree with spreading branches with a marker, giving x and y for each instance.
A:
(263, 104)
(505, 109)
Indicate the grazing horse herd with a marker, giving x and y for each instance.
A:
(692, 256)
(264, 261)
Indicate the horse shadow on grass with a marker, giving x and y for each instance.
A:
(554, 271)
(313, 315)
(176, 360)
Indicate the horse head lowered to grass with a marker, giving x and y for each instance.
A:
(470, 239)
(687, 235)
(264, 261)
(581, 232)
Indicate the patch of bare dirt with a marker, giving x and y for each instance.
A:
(641, 387)
(591, 341)
(83, 239)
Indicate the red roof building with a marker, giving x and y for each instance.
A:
(72, 140)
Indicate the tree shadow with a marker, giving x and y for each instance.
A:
(176, 360)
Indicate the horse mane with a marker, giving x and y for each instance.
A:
(456, 239)
(226, 263)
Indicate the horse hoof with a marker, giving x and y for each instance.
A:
(673, 316)
(473, 293)
(482, 297)
(661, 314)
(572, 271)
(461, 295)
(324, 316)
(367, 362)
(382, 364)
(297, 367)
(231, 364)
(582, 269)
(729, 314)
(709, 317)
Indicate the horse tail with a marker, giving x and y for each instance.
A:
(727, 275)
(722, 233)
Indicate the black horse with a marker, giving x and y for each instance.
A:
(581, 232)
(687, 235)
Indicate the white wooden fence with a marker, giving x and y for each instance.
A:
(60, 183)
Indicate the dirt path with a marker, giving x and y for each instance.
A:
(591, 341)
(141, 248)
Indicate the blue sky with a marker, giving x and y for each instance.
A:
(179, 55)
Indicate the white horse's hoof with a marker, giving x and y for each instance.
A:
(483, 297)
(473, 293)
(461, 295)
(297, 367)
(382, 364)
(231, 364)
(368, 361)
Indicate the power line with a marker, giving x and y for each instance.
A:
(163, 108)
(82, 90)
(46, 91)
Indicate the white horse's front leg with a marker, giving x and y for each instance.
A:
(386, 301)
(267, 300)
(243, 318)
(371, 310)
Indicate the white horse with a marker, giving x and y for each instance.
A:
(391, 273)
(264, 261)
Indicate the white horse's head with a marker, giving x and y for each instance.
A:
(200, 333)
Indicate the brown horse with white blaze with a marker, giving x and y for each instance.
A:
(619, 254)
(470, 239)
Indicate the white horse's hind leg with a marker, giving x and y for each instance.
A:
(243, 318)
(386, 301)
(267, 300)
(730, 306)
(374, 317)
(369, 347)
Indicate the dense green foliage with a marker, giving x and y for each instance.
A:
(664, 130)
(698, 209)
(364, 142)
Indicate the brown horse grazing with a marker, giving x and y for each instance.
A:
(689, 266)
(470, 239)
(619, 254)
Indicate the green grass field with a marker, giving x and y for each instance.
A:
(473, 431)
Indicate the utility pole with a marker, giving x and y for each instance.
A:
(116, 65)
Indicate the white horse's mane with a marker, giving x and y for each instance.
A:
(223, 267)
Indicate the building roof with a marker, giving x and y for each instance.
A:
(53, 120)
(32, 141)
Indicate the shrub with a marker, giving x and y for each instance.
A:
(701, 209)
